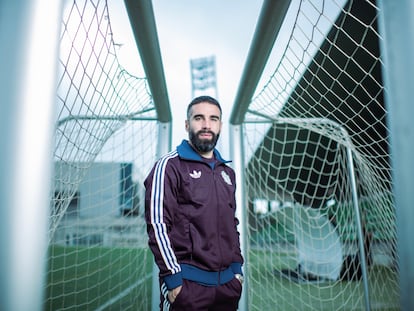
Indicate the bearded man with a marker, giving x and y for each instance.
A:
(190, 213)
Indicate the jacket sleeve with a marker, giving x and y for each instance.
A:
(238, 260)
(160, 202)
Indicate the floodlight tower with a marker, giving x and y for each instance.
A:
(203, 76)
(203, 82)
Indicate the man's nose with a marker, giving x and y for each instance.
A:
(206, 124)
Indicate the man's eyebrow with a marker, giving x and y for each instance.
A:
(204, 116)
(198, 115)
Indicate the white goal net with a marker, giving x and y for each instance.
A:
(105, 143)
(321, 219)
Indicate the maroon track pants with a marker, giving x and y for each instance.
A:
(196, 297)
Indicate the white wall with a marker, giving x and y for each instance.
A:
(98, 187)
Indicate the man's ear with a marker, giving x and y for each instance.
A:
(187, 125)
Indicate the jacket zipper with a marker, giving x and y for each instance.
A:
(218, 226)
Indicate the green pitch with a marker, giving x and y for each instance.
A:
(81, 278)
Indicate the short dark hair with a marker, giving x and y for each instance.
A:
(203, 99)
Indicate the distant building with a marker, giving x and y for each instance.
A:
(96, 203)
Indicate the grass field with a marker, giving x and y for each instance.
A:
(98, 278)
(87, 278)
(269, 291)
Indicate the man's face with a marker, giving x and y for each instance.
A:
(203, 126)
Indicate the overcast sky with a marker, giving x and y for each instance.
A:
(191, 29)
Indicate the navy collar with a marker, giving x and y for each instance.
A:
(185, 151)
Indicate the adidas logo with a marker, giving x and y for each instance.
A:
(195, 174)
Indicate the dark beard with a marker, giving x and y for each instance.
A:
(203, 145)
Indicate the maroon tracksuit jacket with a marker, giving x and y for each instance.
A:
(190, 214)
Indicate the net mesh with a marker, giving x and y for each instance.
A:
(317, 215)
(105, 142)
(322, 102)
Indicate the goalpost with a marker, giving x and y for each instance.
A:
(314, 199)
(106, 140)
(341, 137)
(303, 200)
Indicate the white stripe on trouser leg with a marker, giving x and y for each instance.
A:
(166, 304)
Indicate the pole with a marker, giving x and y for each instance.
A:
(29, 32)
(358, 223)
(237, 155)
(164, 146)
(396, 21)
